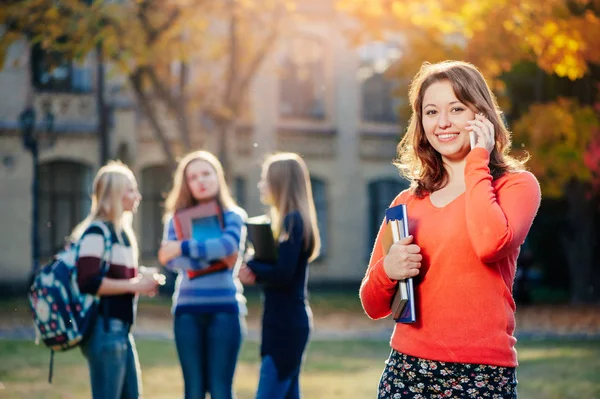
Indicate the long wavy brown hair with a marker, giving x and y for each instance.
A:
(417, 160)
(180, 196)
(289, 183)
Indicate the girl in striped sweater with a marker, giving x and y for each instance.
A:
(209, 310)
(110, 349)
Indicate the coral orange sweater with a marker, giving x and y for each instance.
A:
(464, 305)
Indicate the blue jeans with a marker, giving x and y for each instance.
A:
(208, 345)
(269, 385)
(113, 361)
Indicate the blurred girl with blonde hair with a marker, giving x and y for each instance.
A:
(110, 349)
(209, 310)
(287, 318)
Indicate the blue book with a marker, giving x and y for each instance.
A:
(206, 228)
(202, 222)
(403, 302)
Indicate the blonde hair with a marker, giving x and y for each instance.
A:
(110, 185)
(289, 183)
(180, 196)
(417, 160)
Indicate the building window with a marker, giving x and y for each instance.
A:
(64, 201)
(319, 189)
(302, 80)
(52, 71)
(381, 194)
(156, 181)
(379, 102)
(239, 191)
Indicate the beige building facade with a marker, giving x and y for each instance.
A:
(332, 105)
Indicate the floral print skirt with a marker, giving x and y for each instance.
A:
(411, 377)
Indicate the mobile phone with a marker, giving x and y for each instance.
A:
(472, 135)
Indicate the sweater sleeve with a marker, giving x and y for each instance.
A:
(290, 250)
(498, 218)
(217, 248)
(89, 260)
(377, 289)
(181, 262)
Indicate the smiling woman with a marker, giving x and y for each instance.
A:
(470, 208)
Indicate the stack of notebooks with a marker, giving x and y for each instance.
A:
(403, 302)
(203, 222)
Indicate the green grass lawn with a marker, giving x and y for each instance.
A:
(341, 369)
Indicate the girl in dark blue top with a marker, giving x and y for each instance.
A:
(287, 318)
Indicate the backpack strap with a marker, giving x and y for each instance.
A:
(51, 366)
(107, 246)
(105, 262)
(106, 233)
(106, 255)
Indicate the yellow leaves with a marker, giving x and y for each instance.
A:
(373, 9)
(549, 29)
(52, 14)
(544, 31)
(290, 6)
(574, 45)
(509, 25)
(399, 9)
(556, 135)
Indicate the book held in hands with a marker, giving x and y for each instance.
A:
(403, 301)
(203, 222)
(261, 237)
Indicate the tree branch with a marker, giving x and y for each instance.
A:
(176, 104)
(262, 53)
(150, 113)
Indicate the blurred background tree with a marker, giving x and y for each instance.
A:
(188, 58)
(541, 59)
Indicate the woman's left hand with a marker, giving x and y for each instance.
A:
(246, 275)
(484, 131)
(169, 250)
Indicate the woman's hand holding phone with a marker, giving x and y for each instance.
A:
(482, 133)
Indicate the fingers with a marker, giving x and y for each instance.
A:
(413, 249)
(405, 241)
(413, 272)
(486, 121)
(486, 125)
(400, 246)
(403, 261)
(483, 128)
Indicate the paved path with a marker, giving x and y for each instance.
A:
(322, 334)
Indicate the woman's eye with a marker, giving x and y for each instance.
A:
(430, 112)
(458, 109)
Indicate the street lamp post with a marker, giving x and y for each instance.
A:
(31, 143)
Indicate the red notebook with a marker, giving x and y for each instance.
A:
(202, 222)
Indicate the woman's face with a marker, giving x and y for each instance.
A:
(132, 197)
(202, 180)
(266, 198)
(444, 120)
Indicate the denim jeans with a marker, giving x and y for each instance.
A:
(208, 345)
(269, 385)
(113, 361)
